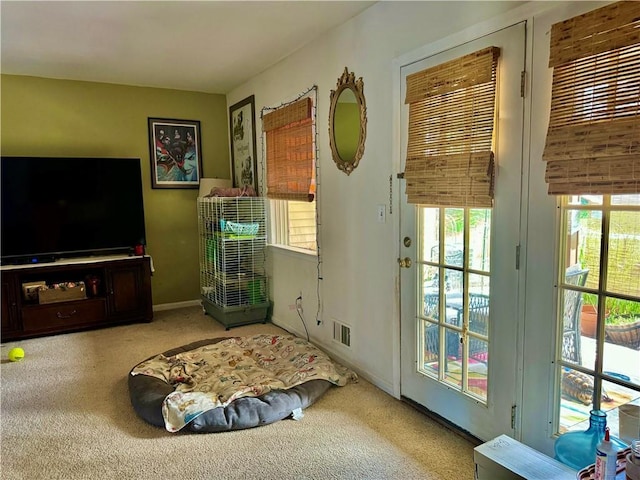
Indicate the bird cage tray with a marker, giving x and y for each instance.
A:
(236, 316)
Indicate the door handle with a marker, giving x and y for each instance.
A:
(404, 262)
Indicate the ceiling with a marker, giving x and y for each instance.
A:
(205, 46)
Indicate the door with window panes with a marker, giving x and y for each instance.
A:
(592, 161)
(458, 275)
(599, 299)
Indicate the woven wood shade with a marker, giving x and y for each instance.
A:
(291, 113)
(428, 181)
(290, 152)
(593, 139)
(451, 119)
(602, 30)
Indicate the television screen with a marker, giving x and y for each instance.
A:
(65, 207)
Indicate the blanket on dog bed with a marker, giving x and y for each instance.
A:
(232, 383)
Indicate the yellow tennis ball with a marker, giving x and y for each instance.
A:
(16, 354)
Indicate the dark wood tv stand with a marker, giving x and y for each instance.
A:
(123, 295)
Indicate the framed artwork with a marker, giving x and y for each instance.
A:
(243, 143)
(175, 153)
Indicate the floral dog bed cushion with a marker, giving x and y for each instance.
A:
(232, 383)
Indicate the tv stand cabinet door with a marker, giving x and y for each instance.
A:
(10, 315)
(129, 291)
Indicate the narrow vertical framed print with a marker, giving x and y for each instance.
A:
(242, 130)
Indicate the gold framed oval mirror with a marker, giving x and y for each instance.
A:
(347, 122)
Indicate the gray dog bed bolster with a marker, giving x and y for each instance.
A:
(147, 394)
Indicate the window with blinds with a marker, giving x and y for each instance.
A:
(592, 152)
(593, 138)
(291, 174)
(290, 152)
(450, 159)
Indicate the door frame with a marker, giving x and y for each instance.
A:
(473, 33)
(538, 245)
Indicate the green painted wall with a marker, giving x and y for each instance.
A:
(47, 117)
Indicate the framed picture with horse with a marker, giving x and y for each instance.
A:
(243, 144)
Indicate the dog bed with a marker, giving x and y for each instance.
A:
(232, 383)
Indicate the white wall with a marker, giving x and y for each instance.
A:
(358, 254)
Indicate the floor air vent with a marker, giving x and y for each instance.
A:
(342, 333)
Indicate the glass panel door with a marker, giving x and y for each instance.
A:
(599, 301)
(459, 299)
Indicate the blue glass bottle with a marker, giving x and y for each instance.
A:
(578, 449)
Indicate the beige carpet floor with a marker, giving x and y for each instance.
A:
(66, 414)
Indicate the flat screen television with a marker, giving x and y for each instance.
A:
(55, 207)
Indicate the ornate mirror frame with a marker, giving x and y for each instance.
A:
(348, 81)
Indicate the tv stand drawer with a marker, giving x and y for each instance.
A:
(64, 315)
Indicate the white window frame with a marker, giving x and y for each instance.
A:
(280, 227)
(279, 224)
(444, 327)
(597, 370)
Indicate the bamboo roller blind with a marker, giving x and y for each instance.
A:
(451, 118)
(290, 154)
(593, 139)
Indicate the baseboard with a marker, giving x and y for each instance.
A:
(443, 421)
(172, 306)
(338, 357)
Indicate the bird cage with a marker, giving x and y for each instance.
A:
(232, 248)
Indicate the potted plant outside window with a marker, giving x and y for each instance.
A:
(589, 315)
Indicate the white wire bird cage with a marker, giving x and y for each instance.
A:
(233, 282)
